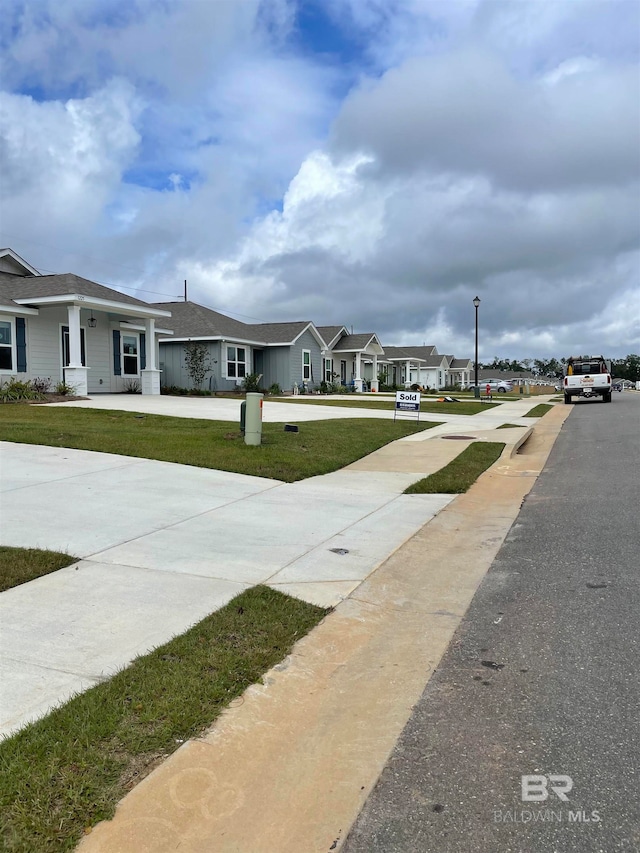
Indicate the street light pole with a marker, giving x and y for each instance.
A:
(476, 391)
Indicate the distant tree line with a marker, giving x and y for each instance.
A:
(621, 368)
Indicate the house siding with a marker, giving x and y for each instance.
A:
(306, 341)
(98, 356)
(174, 370)
(276, 364)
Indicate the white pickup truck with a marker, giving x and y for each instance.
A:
(587, 376)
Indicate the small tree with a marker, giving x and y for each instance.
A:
(197, 362)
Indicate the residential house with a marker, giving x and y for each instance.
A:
(353, 359)
(459, 371)
(67, 328)
(286, 354)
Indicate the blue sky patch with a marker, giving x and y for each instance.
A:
(318, 33)
(160, 180)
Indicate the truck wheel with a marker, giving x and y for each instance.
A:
(567, 399)
(607, 396)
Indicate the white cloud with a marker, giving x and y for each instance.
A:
(63, 161)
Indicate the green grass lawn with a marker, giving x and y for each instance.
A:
(468, 407)
(66, 772)
(318, 448)
(538, 411)
(461, 473)
(19, 565)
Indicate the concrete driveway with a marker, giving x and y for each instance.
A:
(163, 545)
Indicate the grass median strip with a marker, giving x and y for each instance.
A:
(19, 565)
(461, 473)
(65, 773)
(318, 448)
(538, 411)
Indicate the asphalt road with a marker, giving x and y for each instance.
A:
(542, 678)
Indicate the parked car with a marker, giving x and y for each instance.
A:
(501, 386)
(617, 386)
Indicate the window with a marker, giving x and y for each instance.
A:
(328, 370)
(343, 372)
(129, 355)
(236, 362)
(6, 345)
(66, 352)
(306, 365)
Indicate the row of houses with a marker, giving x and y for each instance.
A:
(96, 339)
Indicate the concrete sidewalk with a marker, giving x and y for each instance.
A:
(288, 767)
(163, 545)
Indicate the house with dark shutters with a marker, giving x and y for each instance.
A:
(67, 328)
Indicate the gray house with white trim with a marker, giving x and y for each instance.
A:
(67, 328)
(286, 354)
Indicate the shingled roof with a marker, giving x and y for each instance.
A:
(190, 320)
(353, 343)
(280, 333)
(423, 354)
(328, 333)
(14, 287)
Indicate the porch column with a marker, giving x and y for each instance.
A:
(374, 382)
(150, 375)
(75, 351)
(357, 378)
(407, 374)
(75, 374)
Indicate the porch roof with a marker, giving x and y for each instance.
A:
(367, 342)
(330, 333)
(70, 289)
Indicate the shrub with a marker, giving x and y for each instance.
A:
(16, 390)
(42, 386)
(177, 391)
(197, 362)
(251, 382)
(132, 386)
(275, 389)
(64, 389)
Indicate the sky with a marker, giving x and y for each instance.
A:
(372, 163)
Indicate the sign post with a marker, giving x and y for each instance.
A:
(407, 403)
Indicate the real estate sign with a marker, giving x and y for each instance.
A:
(406, 402)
